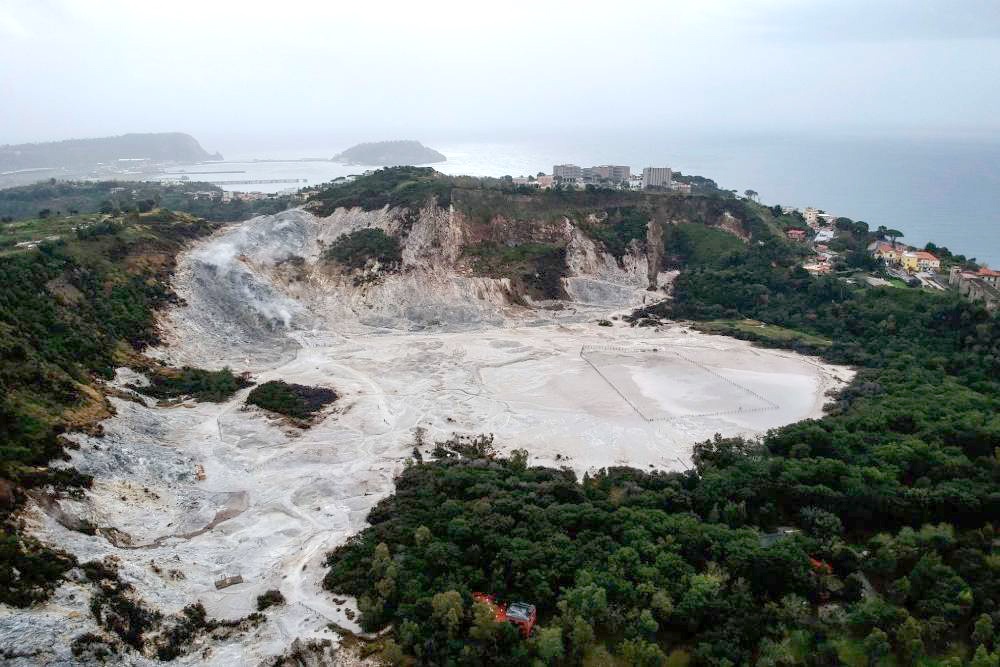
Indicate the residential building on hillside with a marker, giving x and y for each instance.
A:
(920, 260)
(989, 276)
(887, 252)
(656, 177)
(796, 234)
(975, 287)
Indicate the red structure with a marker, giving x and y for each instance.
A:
(521, 614)
(820, 566)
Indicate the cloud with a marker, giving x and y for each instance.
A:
(267, 69)
(868, 21)
(11, 28)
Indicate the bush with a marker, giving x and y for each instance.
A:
(619, 229)
(408, 187)
(271, 598)
(357, 249)
(537, 267)
(202, 385)
(293, 400)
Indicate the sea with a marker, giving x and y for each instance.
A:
(940, 189)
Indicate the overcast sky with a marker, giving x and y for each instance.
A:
(224, 70)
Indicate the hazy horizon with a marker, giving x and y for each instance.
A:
(272, 74)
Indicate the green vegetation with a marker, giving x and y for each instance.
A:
(271, 598)
(69, 310)
(118, 609)
(292, 400)
(411, 187)
(357, 249)
(536, 268)
(892, 495)
(199, 384)
(620, 227)
(768, 335)
(65, 200)
(690, 244)
(38, 229)
(482, 200)
(701, 185)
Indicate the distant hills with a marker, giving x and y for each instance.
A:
(390, 153)
(85, 153)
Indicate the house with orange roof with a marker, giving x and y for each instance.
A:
(888, 252)
(919, 260)
(989, 276)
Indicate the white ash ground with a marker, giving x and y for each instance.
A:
(275, 500)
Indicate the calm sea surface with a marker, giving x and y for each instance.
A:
(946, 191)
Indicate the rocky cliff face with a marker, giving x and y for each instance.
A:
(267, 282)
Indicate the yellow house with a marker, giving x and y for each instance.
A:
(887, 252)
(920, 260)
(927, 261)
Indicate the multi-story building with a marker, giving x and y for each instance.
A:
(656, 177)
(566, 172)
(614, 173)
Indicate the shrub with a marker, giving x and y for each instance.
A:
(202, 385)
(357, 249)
(293, 400)
(271, 598)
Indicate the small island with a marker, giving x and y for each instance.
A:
(389, 154)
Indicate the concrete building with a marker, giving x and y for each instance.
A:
(823, 236)
(566, 172)
(656, 177)
(615, 173)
